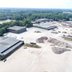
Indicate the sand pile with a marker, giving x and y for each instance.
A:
(41, 39)
(58, 50)
(59, 43)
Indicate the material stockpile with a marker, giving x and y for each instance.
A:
(41, 39)
(59, 43)
(58, 50)
(59, 47)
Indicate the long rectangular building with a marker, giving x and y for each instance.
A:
(17, 29)
(45, 26)
(8, 46)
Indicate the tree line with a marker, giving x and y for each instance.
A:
(23, 17)
(4, 26)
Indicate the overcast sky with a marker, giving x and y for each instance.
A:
(36, 3)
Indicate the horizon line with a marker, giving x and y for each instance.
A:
(30, 8)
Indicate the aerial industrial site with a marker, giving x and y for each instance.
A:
(45, 47)
(35, 39)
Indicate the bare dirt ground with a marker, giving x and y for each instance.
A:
(37, 60)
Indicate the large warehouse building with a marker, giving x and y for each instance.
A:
(17, 29)
(8, 46)
(45, 26)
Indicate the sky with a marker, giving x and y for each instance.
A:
(67, 4)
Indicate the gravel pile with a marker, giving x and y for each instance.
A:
(58, 50)
(41, 39)
(59, 43)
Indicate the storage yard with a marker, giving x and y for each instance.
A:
(54, 54)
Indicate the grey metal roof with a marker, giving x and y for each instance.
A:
(15, 46)
(45, 25)
(6, 42)
(16, 27)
